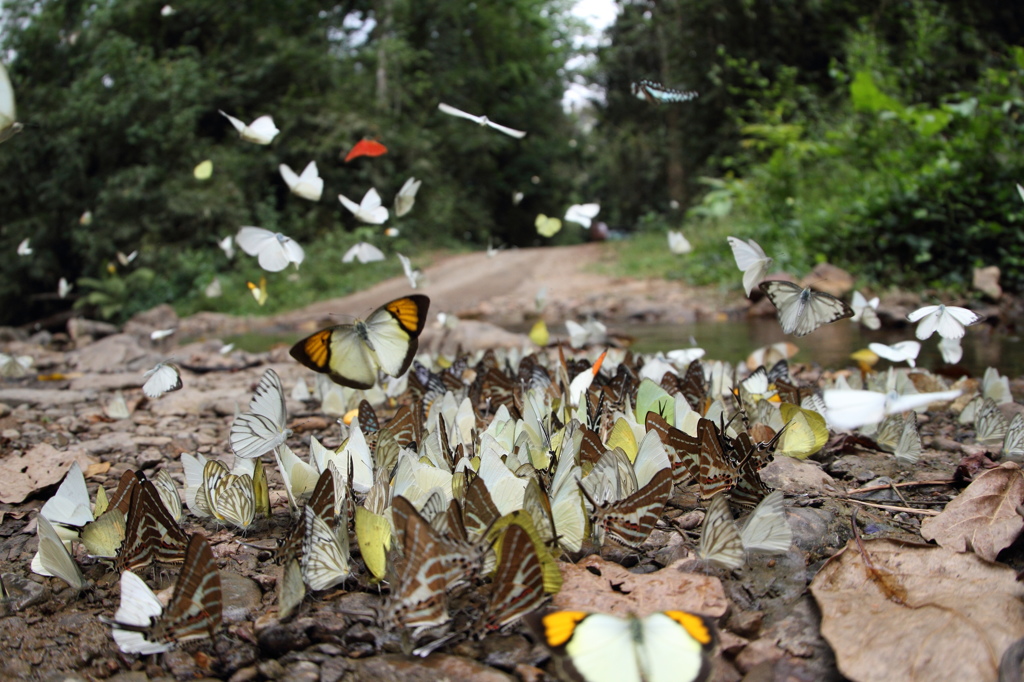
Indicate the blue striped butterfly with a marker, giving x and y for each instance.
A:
(656, 93)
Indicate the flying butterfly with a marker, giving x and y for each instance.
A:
(949, 321)
(481, 120)
(406, 197)
(260, 131)
(351, 354)
(751, 260)
(274, 251)
(369, 210)
(801, 309)
(665, 646)
(8, 115)
(308, 185)
(364, 147)
(656, 93)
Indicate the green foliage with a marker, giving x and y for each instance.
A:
(113, 296)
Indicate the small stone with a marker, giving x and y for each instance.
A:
(830, 279)
(303, 671)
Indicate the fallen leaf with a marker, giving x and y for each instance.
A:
(35, 470)
(97, 469)
(594, 584)
(956, 614)
(983, 517)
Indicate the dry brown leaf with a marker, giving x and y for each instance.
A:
(956, 614)
(97, 469)
(983, 517)
(38, 468)
(594, 584)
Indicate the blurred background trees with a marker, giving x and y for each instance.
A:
(885, 138)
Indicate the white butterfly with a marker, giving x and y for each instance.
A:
(163, 378)
(996, 387)
(904, 351)
(364, 253)
(1020, 191)
(720, 542)
(168, 492)
(908, 447)
(275, 251)
(414, 276)
(583, 214)
(117, 408)
(159, 334)
(166, 11)
(516, 198)
(139, 607)
(369, 210)
(214, 288)
(591, 332)
(14, 366)
(482, 120)
(949, 321)
(325, 553)
(1013, 441)
(70, 505)
(8, 115)
(309, 185)
(23, 248)
(53, 557)
(849, 409)
(951, 350)
(406, 197)
(802, 310)
(64, 288)
(260, 131)
(751, 259)
(125, 260)
(263, 427)
(299, 477)
(678, 244)
(864, 311)
(767, 529)
(990, 424)
(227, 245)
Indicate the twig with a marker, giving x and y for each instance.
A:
(873, 488)
(889, 507)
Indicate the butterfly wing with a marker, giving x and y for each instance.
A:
(393, 330)
(766, 529)
(260, 131)
(406, 197)
(720, 542)
(139, 608)
(452, 111)
(370, 208)
(161, 379)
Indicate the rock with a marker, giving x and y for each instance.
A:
(242, 596)
(986, 280)
(82, 330)
(119, 352)
(397, 668)
(829, 278)
(160, 317)
(797, 476)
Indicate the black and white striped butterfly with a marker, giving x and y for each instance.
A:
(656, 93)
(802, 310)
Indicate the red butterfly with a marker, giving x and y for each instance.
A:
(366, 148)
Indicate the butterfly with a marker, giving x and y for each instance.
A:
(168, 492)
(160, 334)
(227, 245)
(414, 276)
(351, 354)
(582, 214)
(903, 351)
(677, 243)
(482, 120)
(849, 409)
(203, 170)
(263, 428)
(406, 197)
(656, 93)
(948, 321)
(864, 311)
(141, 625)
(23, 247)
(228, 497)
(214, 289)
(801, 309)
(996, 387)
(8, 115)
(518, 584)
(325, 550)
(126, 260)
(369, 210)
(163, 378)
(366, 148)
(951, 351)
(751, 260)
(1013, 441)
(629, 521)
(260, 131)
(151, 534)
(291, 590)
(363, 252)
(259, 292)
(69, 507)
(908, 445)
(766, 529)
(665, 646)
(547, 227)
(64, 287)
(990, 424)
(53, 558)
(720, 541)
(309, 185)
(805, 433)
(274, 250)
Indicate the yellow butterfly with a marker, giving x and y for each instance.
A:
(351, 354)
(547, 227)
(259, 292)
(203, 170)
